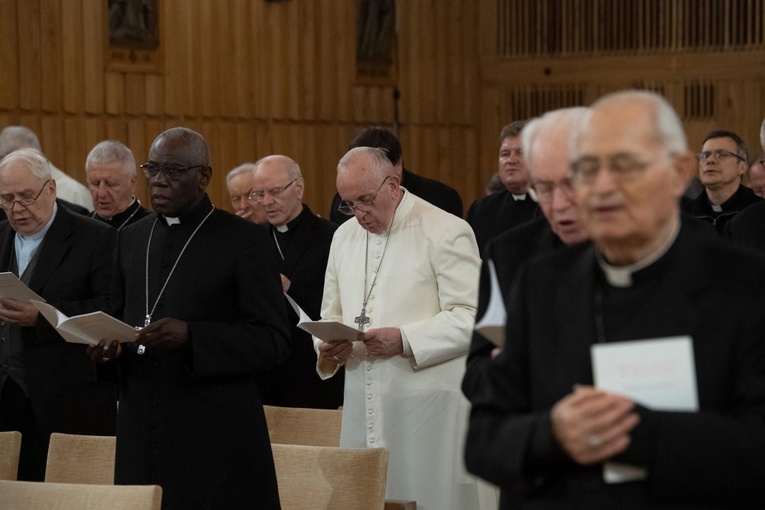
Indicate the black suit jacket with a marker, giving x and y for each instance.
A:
(73, 273)
(437, 193)
(701, 209)
(296, 383)
(714, 458)
(507, 252)
(191, 419)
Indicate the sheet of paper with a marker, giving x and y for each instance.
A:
(88, 328)
(492, 324)
(12, 287)
(659, 374)
(327, 331)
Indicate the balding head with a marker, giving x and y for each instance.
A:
(278, 184)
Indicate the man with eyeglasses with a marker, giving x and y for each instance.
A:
(300, 242)
(404, 274)
(540, 429)
(110, 171)
(46, 384)
(545, 144)
(722, 163)
(202, 287)
(239, 187)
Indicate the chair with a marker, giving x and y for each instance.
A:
(81, 459)
(10, 446)
(65, 496)
(311, 427)
(319, 477)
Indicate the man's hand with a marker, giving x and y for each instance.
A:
(18, 313)
(593, 426)
(337, 352)
(244, 213)
(285, 283)
(164, 335)
(382, 342)
(103, 353)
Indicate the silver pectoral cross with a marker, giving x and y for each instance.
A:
(362, 320)
(147, 321)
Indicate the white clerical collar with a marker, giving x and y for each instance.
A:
(716, 208)
(621, 276)
(172, 221)
(282, 228)
(519, 197)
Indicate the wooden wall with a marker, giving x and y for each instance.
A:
(257, 78)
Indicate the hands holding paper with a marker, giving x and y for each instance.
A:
(337, 352)
(18, 313)
(592, 426)
(103, 353)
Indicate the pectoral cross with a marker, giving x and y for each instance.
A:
(362, 320)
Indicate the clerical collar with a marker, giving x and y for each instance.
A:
(716, 208)
(518, 198)
(195, 215)
(292, 225)
(621, 276)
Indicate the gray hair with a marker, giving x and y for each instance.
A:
(381, 165)
(667, 124)
(112, 151)
(13, 138)
(241, 169)
(555, 121)
(32, 159)
(293, 169)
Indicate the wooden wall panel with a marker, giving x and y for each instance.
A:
(54, 54)
(30, 66)
(9, 62)
(73, 67)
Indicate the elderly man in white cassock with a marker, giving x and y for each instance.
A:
(405, 275)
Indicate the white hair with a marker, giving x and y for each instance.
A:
(112, 151)
(556, 121)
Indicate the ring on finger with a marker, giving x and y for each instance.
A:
(594, 441)
(336, 358)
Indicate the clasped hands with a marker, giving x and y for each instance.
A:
(164, 335)
(18, 313)
(380, 343)
(592, 426)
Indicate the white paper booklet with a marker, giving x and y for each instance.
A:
(327, 331)
(12, 287)
(89, 328)
(492, 324)
(659, 374)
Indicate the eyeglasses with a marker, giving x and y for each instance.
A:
(347, 207)
(718, 154)
(623, 167)
(545, 190)
(7, 201)
(172, 172)
(259, 195)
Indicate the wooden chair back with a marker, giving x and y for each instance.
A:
(10, 447)
(323, 478)
(81, 459)
(310, 427)
(65, 496)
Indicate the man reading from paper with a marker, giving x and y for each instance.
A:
(539, 428)
(405, 274)
(46, 384)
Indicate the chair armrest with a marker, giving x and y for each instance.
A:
(398, 504)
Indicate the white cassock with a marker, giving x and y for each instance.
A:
(410, 404)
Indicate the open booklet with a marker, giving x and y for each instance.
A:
(492, 324)
(12, 287)
(89, 328)
(327, 331)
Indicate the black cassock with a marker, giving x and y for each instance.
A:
(191, 420)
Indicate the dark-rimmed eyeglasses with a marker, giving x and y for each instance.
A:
(624, 167)
(7, 201)
(172, 172)
(347, 207)
(718, 154)
(258, 195)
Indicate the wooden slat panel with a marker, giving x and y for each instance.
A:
(246, 144)
(30, 65)
(9, 63)
(115, 93)
(307, 60)
(74, 149)
(239, 15)
(54, 54)
(51, 134)
(73, 66)
(212, 43)
(94, 35)
(135, 93)
(291, 82)
(155, 95)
